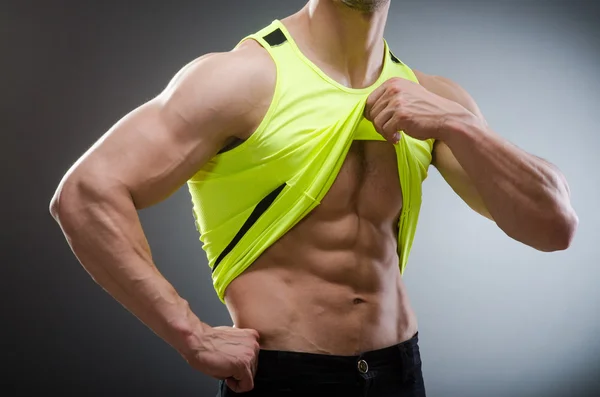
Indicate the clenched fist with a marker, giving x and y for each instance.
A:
(401, 105)
(226, 353)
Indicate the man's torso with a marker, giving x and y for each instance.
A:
(332, 283)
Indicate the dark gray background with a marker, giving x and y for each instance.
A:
(496, 318)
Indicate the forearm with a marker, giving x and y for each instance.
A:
(527, 197)
(106, 236)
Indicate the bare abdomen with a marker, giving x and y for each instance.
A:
(331, 301)
(332, 284)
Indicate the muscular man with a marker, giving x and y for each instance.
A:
(304, 150)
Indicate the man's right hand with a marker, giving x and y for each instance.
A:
(226, 353)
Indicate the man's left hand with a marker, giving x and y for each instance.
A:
(402, 105)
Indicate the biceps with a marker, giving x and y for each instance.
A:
(151, 152)
(457, 178)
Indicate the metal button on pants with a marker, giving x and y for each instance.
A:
(363, 367)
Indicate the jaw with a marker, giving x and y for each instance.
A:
(368, 6)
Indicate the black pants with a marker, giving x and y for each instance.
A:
(390, 372)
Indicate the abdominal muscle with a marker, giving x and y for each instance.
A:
(332, 284)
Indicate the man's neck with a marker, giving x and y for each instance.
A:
(348, 40)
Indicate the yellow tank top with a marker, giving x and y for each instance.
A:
(245, 199)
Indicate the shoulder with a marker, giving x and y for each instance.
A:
(448, 89)
(232, 86)
(247, 64)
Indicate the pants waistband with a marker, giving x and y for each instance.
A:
(273, 363)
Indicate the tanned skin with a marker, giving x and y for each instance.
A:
(334, 280)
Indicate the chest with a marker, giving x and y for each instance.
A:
(368, 182)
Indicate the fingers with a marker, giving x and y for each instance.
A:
(255, 359)
(243, 380)
(247, 366)
(391, 129)
(378, 107)
(252, 332)
(385, 123)
(255, 345)
(382, 106)
(389, 89)
(373, 99)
